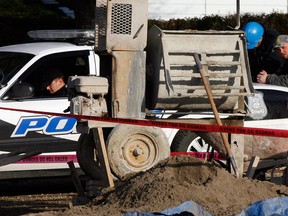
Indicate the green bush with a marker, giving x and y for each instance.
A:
(14, 28)
(216, 22)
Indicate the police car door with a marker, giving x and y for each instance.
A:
(36, 132)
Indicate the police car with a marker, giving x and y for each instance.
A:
(41, 142)
(267, 109)
(33, 141)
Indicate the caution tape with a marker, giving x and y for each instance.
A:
(169, 124)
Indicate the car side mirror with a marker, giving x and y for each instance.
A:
(22, 90)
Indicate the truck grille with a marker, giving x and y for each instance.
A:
(121, 19)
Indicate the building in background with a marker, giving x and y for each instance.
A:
(167, 9)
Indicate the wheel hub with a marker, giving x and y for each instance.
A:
(139, 153)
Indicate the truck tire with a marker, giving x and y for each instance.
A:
(86, 156)
(188, 141)
(132, 149)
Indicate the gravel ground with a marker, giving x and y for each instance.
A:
(27, 204)
(26, 196)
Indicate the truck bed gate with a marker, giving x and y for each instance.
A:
(176, 80)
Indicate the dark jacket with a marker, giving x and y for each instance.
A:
(264, 57)
(61, 92)
(279, 79)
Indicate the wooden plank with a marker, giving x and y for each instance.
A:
(252, 167)
(103, 157)
(270, 163)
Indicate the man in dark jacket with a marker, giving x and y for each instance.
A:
(281, 46)
(260, 43)
(54, 83)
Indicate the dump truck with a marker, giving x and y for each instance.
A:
(144, 72)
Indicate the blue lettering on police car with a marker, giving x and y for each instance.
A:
(48, 125)
(60, 125)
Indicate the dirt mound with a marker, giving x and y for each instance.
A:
(179, 179)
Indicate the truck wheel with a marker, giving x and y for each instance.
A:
(188, 141)
(86, 156)
(132, 149)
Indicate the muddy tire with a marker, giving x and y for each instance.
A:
(132, 149)
(188, 141)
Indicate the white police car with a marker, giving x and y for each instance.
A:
(51, 140)
(269, 109)
(35, 144)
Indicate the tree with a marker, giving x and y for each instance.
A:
(19, 16)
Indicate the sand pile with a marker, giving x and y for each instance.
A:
(179, 179)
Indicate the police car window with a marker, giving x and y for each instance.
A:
(69, 63)
(276, 103)
(11, 62)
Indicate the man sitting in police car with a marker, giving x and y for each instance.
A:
(54, 83)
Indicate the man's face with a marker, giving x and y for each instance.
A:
(284, 50)
(55, 85)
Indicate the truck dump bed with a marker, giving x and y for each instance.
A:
(173, 78)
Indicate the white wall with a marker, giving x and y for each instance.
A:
(167, 9)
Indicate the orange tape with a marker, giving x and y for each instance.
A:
(167, 124)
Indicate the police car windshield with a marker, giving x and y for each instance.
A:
(10, 63)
